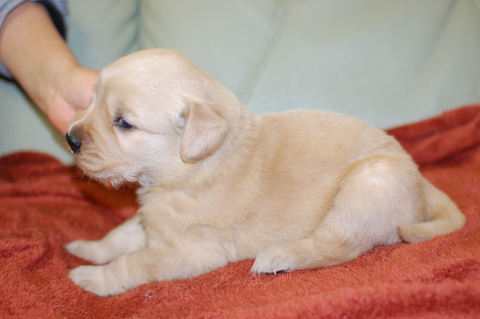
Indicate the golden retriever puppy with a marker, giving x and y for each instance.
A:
(217, 184)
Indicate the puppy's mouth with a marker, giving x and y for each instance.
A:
(93, 167)
(106, 164)
(114, 175)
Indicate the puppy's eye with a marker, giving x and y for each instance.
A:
(123, 124)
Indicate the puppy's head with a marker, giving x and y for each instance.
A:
(154, 114)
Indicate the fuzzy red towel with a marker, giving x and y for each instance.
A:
(43, 205)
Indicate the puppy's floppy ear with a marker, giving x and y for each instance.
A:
(203, 132)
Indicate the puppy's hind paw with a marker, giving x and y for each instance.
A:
(274, 260)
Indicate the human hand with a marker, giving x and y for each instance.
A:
(72, 91)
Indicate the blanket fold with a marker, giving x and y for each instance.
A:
(447, 135)
(45, 204)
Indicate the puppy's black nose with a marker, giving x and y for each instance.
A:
(73, 142)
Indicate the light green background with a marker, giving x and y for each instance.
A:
(388, 62)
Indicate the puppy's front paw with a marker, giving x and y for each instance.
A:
(274, 260)
(93, 278)
(88, 250)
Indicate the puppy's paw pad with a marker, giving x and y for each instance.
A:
(274, 260)
(91, 278)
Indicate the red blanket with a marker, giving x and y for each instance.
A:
(43, 205)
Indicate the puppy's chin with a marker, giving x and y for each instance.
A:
(112, 182)
(100, 174)
(117, 176)
(105, 179)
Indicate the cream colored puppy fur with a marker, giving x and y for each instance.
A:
(218, 184)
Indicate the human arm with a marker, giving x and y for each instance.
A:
(41, 62)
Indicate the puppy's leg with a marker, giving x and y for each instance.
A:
(120, 275)
(124, 239)
(322, 249)
(169, 258)
(374, 198)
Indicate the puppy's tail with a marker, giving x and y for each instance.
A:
(443, 217)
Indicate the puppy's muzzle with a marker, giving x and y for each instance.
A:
(74, 142)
